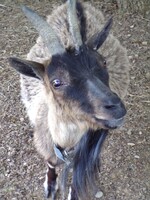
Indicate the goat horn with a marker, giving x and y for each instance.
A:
(45, 31)
(73, 23)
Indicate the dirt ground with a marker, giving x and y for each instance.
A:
(125, 168)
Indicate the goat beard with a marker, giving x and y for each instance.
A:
(86, 163)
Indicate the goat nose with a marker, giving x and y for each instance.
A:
(115, 107)
(118, 105)
(112, 101)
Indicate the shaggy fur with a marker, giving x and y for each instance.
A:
(33, 91)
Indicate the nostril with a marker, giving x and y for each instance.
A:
(110, 107)
(116, 110)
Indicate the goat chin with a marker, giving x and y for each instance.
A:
(111, 123)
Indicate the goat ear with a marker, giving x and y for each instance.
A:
(28, 68)
(99, 38)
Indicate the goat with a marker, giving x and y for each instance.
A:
(71, 92)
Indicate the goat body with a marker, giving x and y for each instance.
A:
(70, 119)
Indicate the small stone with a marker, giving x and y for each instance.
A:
(24, 164)
(140, 133)
(129, 132)
(21, 119)
(148, 75)
(144, 43)
(132, 26)
(136, 55)
(40, 178)
(130, 57)
(136, 156)
(99, 194)
(131, 144)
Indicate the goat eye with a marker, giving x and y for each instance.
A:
(104, 62)
(56, 83)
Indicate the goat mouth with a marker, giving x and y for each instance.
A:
(110, 124)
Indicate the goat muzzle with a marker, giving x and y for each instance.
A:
(109, 110)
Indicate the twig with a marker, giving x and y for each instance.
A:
(1, 5)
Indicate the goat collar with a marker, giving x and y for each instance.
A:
(62, 154)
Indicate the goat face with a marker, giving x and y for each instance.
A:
(81, 82)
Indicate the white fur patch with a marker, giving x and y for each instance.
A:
(33, 96)
(69, 195)
(50, 166)
(45, 184)
(65, 134)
